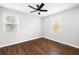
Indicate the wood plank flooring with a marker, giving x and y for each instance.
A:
(41, 46)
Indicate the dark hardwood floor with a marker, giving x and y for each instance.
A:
(41, 46)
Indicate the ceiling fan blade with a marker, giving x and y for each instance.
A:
(40, 6)
(31, 7)
(32, 11)
(44, 10)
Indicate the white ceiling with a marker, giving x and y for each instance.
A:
(51, 7)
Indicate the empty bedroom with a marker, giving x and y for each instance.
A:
(39, 28)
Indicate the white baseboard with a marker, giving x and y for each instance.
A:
(62, 42)
(37, 38)
(18, 42)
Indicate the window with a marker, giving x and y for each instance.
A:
(10, 23)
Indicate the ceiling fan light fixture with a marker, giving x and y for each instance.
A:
(38, 8)
(39, 13)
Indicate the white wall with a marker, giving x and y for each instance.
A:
(30, 28)
(69, 27)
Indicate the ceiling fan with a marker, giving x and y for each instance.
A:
(39, 8)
